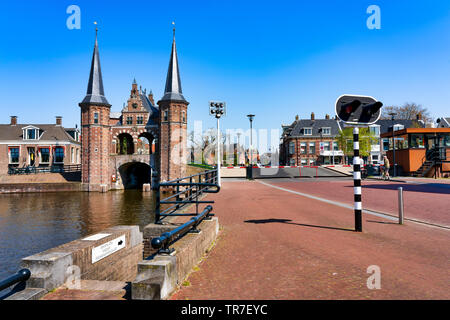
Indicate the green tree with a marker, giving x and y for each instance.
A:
(366, 139)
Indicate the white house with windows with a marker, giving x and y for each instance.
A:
(38, 145)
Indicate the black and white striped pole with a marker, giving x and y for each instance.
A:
(357, 111)
(357, 181)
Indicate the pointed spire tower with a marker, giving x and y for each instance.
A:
(95, 92)
(95, 130)
(173, 123)
(173, 91)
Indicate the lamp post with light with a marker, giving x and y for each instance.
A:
(250, 169)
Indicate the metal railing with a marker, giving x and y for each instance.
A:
(162, 243)
(52, 169)
(21, 276)
(187, 191)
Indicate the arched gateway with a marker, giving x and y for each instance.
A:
(120, 149)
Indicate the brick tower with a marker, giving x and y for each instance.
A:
(173, 123)
(95, 131)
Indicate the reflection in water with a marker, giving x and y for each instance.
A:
(34, 222)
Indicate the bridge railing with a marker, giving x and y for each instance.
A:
(21, 276)
(185, 191)
(52, 169)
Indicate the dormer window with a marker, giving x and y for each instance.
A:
(30, 133)
(307, 131)
(326, 131)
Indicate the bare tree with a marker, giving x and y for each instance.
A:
(409, 111)
(200, 142)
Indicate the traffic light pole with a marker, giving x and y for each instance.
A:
(357, 180)
(358, 111)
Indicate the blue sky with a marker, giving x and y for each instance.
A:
(273, 59)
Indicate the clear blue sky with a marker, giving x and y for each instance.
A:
(273, 59)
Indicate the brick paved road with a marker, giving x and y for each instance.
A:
(276, 245)
(425, 201)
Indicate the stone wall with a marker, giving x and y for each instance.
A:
(39, 187)
(74, 260)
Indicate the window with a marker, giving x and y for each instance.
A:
(303, 147)
(183, 116)
(326, 131)
(398, 127)
(446, 142)
(166, 115)
(307, 131)
(386, 143)
(134, 105)
(72, 155)
(375, 130)
(292, 162)
(326, 146)
(140, 119)
(14, 155)
(291, 147)
(59, 155)
(311, 162)
(95, 117)
(304, 162)
(312, 147)
(335, 145)
(31, 134)
(417, 141)
(45, 155)
(129, 120)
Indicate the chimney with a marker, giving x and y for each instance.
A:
(312, 116)
(13, 120)
(327, 116)
(419, 116)
(58, 120)
(150, 97)
(297, 118)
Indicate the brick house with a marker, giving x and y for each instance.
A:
(38, 145)
(310, 142)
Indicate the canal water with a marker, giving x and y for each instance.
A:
(34, 222)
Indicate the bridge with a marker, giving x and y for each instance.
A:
(131, 171)
(279, 239)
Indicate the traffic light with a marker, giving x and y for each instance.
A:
(353, 109)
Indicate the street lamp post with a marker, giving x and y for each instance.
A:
(217, 109)
(393, 114)
(250, 117)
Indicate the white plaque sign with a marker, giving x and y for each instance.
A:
(96, 237)
(107, 248)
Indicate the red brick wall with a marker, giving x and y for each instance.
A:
(173, 140)
(95, 139)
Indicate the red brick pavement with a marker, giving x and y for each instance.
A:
(426, 202)
(276, 245)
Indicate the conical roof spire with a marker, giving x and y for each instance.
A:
(173, 89)
(95, 93)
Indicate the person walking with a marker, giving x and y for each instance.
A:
(386, 168)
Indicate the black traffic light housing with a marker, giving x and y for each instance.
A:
(355, 109)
